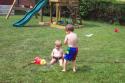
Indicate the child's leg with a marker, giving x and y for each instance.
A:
(61, 62)
(64, 65)
(52, 61)
(74, 65)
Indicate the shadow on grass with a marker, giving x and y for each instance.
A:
(36, 26)
(85, 25)
(84, 68)
(90, 25)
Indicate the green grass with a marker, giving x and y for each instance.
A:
(95, 61)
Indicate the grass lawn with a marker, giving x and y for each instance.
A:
(95, 61)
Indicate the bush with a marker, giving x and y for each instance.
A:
(86, 6)
(102, 10)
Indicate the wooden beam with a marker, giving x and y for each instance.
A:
(51, 20)
(57, 12)
(10, 10)
(41, 15)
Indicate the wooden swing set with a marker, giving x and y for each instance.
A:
(58, 4)
(71, 4)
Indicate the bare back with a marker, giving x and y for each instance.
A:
(71, 39)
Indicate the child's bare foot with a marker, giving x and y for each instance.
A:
(74, 70)
(63, 70)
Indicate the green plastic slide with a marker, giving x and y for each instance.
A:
(31, 13)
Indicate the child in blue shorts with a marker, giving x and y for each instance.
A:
(71, 40)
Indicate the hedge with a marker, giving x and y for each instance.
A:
(102, 10)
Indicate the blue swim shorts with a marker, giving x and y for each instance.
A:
(71, 53)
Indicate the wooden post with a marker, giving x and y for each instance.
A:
(51, 20)
(41, 15)
(10, 10)
(57, 12)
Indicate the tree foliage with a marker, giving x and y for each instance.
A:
(106, 10)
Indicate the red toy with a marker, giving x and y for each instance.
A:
(40, 61)
(37, 60)
(116, 30)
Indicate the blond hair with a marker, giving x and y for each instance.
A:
(58, 43)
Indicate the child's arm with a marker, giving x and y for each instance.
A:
(52, 53)
(62, 53)
(66, 40)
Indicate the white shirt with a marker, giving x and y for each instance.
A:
(57, 52)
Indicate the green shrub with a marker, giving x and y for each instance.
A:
(106, 10)
(86, 6)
